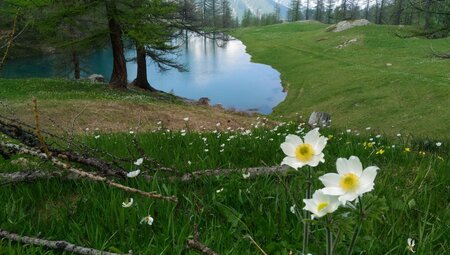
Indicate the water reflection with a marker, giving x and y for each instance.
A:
(223, 74)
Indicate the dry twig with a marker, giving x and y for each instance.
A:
(55, 245)
(198, 246)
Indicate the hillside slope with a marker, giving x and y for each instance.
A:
(378, 81)
(85, 107)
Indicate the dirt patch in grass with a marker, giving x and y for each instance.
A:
(117, 116)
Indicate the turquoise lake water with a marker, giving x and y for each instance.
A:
(218, 70)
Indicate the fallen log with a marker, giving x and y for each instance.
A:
(30, 139)
(250, 173)
(34, 152)
(54, 245)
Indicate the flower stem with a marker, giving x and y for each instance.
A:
(307, 214)
(329, 237)
(358, 227)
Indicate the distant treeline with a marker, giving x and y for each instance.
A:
(430, 15)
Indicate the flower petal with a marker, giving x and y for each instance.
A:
(312, 136)
(341, 166)
(348, 197)
(320, 144)
(316, 159)
(292, 162)
(355, 165)
(294, 140)
(288, 149)
(368, 175)
(334, 191)
(330, 180)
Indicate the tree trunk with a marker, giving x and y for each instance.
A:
(366, 16)
(380, 17)
(398, 13)
(119, 74)
(76, 65)
(427, 8)
(307, 10)
(141, 80)
(344, 9)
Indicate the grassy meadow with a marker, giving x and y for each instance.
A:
(410, 199)
(380, 80)
(393, 116)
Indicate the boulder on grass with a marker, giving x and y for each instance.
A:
(319, 119)
(96, 78)
(347, 24)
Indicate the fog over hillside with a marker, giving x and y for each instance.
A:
(258, 7)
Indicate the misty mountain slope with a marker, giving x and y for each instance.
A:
(258, 7)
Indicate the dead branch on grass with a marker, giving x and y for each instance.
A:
(28, 138)
(55, 161)
(54, 245)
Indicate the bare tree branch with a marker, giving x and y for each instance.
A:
(10, 40)
(82, 173)
(55, 245)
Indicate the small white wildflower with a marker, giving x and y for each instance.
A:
(206, 150)
(218, 124)
(368, 128)
(127, 204)
(221, 150)
(292, 208)
(148, 220)
(87, 129)
(133, 173)
(349, 130)
(97, 136)
(222, 145)
(159, 123)
(246, 176)
(186, 119)
(399, 135)
(189, 162)
(219, 190)
(139, 161)
(438, 144)
(131, 132)
(378, 136)
(411, 244)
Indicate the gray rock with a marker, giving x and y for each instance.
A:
(96, 78)
(347, 24)
(319, 119)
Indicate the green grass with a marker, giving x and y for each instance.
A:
(354, 84)
(13, 90)
(410, 197)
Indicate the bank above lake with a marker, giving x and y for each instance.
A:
(364, 76)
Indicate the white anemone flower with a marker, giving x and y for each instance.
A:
(350, 181)
(321, 204)
(306, 151)
(148, 220)
(127, 204)
(411, 244)
(133, 173)
(139, 161)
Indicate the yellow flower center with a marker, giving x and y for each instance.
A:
(304, 152)
(321, 206)
(349, 182)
